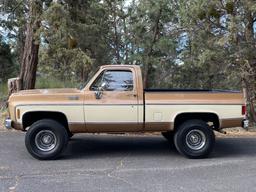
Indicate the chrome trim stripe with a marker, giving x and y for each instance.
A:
(192, 104)
(76, 104)
(193, 92)
(116, 122)
(78, 122)
(111, 122)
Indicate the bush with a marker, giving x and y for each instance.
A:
(3, 91)
(51, 82)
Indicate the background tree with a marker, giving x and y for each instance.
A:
(91, 29)
(221, 35)
(31, 46)
(8, 64)
(178, 44)
(59, 53)
(131, 37)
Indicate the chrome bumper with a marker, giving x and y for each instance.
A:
(8, 123)
(245, 123)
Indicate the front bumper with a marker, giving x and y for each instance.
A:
(245, 123)
(8, 123)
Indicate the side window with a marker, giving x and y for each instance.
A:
(114, 80)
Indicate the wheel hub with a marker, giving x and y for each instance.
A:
(195, 139)
(45, 140)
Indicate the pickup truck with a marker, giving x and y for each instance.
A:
(114, 101)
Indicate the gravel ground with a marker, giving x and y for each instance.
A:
(127, 163)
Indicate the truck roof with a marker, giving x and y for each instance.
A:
(120, 66)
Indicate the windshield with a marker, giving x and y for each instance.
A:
(91, 74)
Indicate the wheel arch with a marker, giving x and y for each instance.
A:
(209, 117)
(30, 117)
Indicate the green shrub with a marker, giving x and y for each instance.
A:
(3, 91)
(51, 82)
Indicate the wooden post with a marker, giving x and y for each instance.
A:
(13, 85)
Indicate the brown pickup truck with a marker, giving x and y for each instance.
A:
(114, 101)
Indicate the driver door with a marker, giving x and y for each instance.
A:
(111, 104)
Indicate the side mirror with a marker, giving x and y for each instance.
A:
(99, 91)
(98, 94)
(103, 86)
(81, 86)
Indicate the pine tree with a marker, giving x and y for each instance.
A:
(223, 32)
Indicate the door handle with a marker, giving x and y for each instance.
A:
(73, 97)
(132, 94)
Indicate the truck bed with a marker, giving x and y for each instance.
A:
(193, 96)
(164, 105)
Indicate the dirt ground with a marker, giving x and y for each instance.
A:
(237, 132)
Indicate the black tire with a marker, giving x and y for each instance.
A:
(168, 135)
(46, 139)
(194, 139)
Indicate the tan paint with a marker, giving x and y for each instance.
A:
(52, 100)
(113, 127)
(111, 113)
(123, 111)
(170, 112)
(73, 112)
(197, 98)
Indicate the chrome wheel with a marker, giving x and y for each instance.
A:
(195, 139)
(45, 140)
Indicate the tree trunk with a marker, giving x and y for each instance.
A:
(251, 102)
(250, 96)
(252, 111)
(31, 47)
(250, 69)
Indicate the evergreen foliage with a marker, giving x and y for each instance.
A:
(222, 40)
(8, 65)
(178, 44)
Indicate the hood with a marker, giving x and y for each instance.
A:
(45, 95)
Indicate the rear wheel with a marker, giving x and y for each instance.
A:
(46, 139)
(194, 139)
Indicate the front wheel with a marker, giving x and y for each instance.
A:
(194, 139)
(46, 139)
